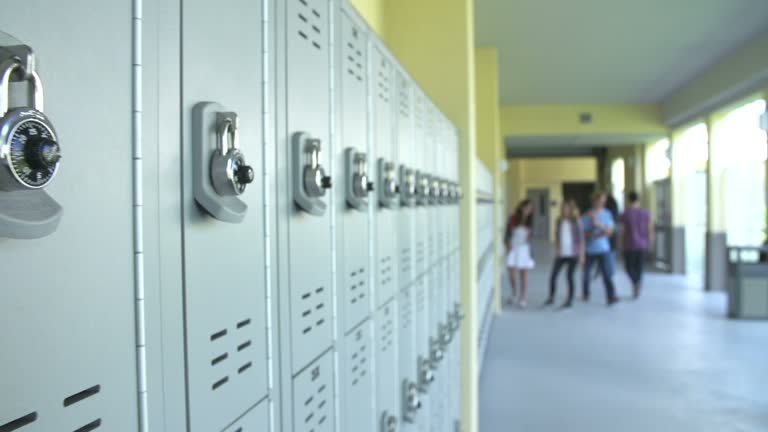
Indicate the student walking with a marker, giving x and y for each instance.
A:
(638, 238)
(598, 227)
(569, 244)
(519, 257)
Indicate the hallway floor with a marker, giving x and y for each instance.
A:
(670, 361)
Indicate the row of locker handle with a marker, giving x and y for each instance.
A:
(426, 368)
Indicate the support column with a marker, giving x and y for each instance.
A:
(677, 232)
(434, 39)
(490, 149)
(716, 276)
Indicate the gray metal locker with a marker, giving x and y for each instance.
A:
(313, 407)
(387, 385)
(304, 139)
(387, 191)
(407, 179)
(255, 420)
(69, 342)
(356, 380)
(352, 194)
(224, 270)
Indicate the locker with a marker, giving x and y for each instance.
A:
(69, 343)
(256, 420)
(387, 385)
(313, 408)
(409, 398)
(356, 393)
(384, 152)
(352, 205)
(305, 141)
(407, 178)
(224, 289)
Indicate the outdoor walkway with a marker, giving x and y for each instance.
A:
(670, 361)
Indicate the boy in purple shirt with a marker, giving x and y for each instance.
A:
(638, 238)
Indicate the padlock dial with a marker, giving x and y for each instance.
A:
(34, 154)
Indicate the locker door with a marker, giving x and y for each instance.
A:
(385, 219)
(407, 204)
(352, 222)
(408, 397)
(356, 392)
(387, 384)
(67, 304)
(308, 244)
(224, 269)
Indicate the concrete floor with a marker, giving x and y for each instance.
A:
(670, 362)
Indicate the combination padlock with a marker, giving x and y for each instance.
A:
(411, 401)
(444, 192)
(358, 184)
(230, 174)
(30, 154)
(388, 422)
(388, 187)
(315, 180)
(434, 190)
(436, 353)
(407, 185)
(426, 374)
(422, 188)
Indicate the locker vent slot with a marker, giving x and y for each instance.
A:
(405, 101)
(313, 407)
(310, 25)
(244, 367)
(243, 323)
(357, 280)
(220, 383)
(354, 56)
(386, 271)
(219, 359)
(387, 330)
(384, 85)
(218, 335)
(405, 261)
(243, 345)
(405, 310)
(90, 426)
(19, 422)
(359, 364)
(85, 394)
(420, 300)
(308, 324)
(420, 253)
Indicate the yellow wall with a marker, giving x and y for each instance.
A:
(532, 120)
(545, 173)
(373, 12)
(490, 148)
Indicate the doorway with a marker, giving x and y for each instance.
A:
(581, 192)
(540, 200)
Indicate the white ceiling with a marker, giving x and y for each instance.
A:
(610, 51)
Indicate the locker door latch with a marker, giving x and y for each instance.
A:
(436, 352)
(388, 187)
(457, 316)
(434, 190)
(445, 196)
(445, 335)
(426, 373)
(310, 186)
(388, 422)
(408, 190)
(411, 401)
(29, 152)
(358, 186)
(220, 171)
(422, 188)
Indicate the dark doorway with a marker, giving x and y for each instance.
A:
(581, 192)
(540, 200)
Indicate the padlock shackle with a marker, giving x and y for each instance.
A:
(7, 68)
(227, 128)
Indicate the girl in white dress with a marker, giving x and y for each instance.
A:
(519, 257)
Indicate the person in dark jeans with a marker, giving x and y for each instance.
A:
(638, 238)
(569, 244)
(598, 227)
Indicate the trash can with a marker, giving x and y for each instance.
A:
(747, 282)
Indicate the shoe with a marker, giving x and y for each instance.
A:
(566, 305)
(613, 301)
(549, 302)
(585, 298)
(636, 292)
(522, 304)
